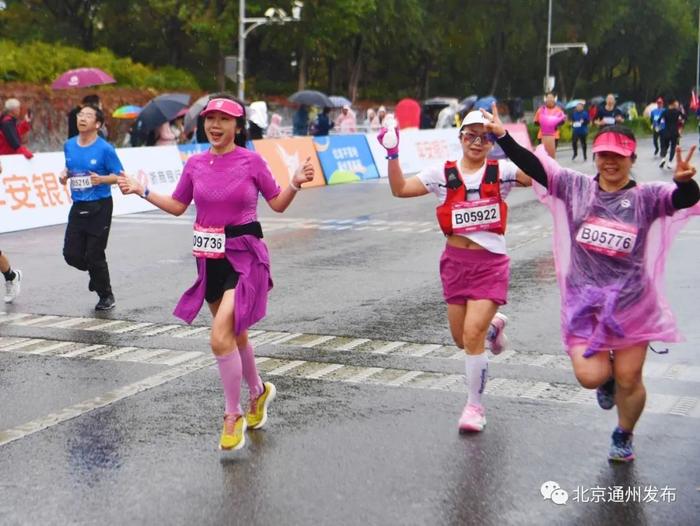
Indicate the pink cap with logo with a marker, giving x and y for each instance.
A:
(616, 143)
(227, 106)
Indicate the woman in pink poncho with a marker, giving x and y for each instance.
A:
(548, 118)
(611, 238)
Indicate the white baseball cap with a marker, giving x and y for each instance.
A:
(473, 117)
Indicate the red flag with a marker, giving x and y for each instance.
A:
(694, 103)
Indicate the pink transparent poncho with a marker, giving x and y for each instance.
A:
(610, 252)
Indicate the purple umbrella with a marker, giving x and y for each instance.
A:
(82, 78)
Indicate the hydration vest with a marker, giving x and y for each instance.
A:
(490, 186)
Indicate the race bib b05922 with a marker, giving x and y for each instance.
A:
(475, 216)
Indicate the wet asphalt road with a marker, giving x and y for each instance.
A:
(115, 417)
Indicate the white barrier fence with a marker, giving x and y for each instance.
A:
(31, 196)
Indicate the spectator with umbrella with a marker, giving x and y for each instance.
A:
(300, 121)
(323, 123)
(161, 110)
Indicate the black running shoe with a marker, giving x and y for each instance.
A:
(106, 303)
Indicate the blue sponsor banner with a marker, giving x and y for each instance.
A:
(345, 158)
(189, 149)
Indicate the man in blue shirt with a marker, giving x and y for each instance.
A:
(92, 166)
(579, 125)
(657, 123)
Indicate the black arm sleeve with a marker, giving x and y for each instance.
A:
(523, 158)
(9, 130)
(686, 194)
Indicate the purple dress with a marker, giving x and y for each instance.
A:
(225, 190)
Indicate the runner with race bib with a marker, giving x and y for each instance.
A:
(611, 238)
(474, 267)
(233, 264)
(92, 166)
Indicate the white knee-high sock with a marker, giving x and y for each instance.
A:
(477, 369)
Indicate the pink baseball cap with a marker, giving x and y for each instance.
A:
(614, 142)
(227, 106)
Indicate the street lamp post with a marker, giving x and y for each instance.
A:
(553, 49)
(272, 16)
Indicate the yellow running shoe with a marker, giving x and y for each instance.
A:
(257, 412)
(233, 434)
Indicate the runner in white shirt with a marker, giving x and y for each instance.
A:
(474, 267)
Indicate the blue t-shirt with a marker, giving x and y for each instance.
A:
(579, 120)
(656, 120)
(99, 157)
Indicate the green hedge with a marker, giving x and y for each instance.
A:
(41, 63)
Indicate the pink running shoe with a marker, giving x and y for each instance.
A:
(473, 419)
(496, 335)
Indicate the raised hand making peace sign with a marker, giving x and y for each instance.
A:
(493, 121)
(684, 170)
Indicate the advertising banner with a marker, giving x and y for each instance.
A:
(419, 149)
(31, 195)
(284, 156)
(345, 158)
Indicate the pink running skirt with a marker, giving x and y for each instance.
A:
(474, 275)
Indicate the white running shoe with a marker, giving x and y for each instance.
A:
(12, 287)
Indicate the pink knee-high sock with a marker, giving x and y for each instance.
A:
(230, 370)
(250, 371)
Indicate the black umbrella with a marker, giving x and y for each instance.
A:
(311, 98)
(162, 109)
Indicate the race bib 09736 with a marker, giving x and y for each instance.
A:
(209, 242)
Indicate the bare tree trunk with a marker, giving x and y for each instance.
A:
(331, 75)
(501, 44)
(220, 76)
(302, 70)
(356, 69)
(562, 85)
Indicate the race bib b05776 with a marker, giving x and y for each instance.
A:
(607, 237)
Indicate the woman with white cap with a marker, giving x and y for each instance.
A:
(232, 261)
(474, 267)
(611, 238)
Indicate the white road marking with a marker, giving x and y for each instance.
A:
(349, 346)
(52, 347)
(58, 417)
(324, 371)
(286, 367)
(386, 349)
(317, 341)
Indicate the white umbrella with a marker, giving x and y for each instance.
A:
(193, 113)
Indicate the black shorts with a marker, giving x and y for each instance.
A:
(221, 276)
